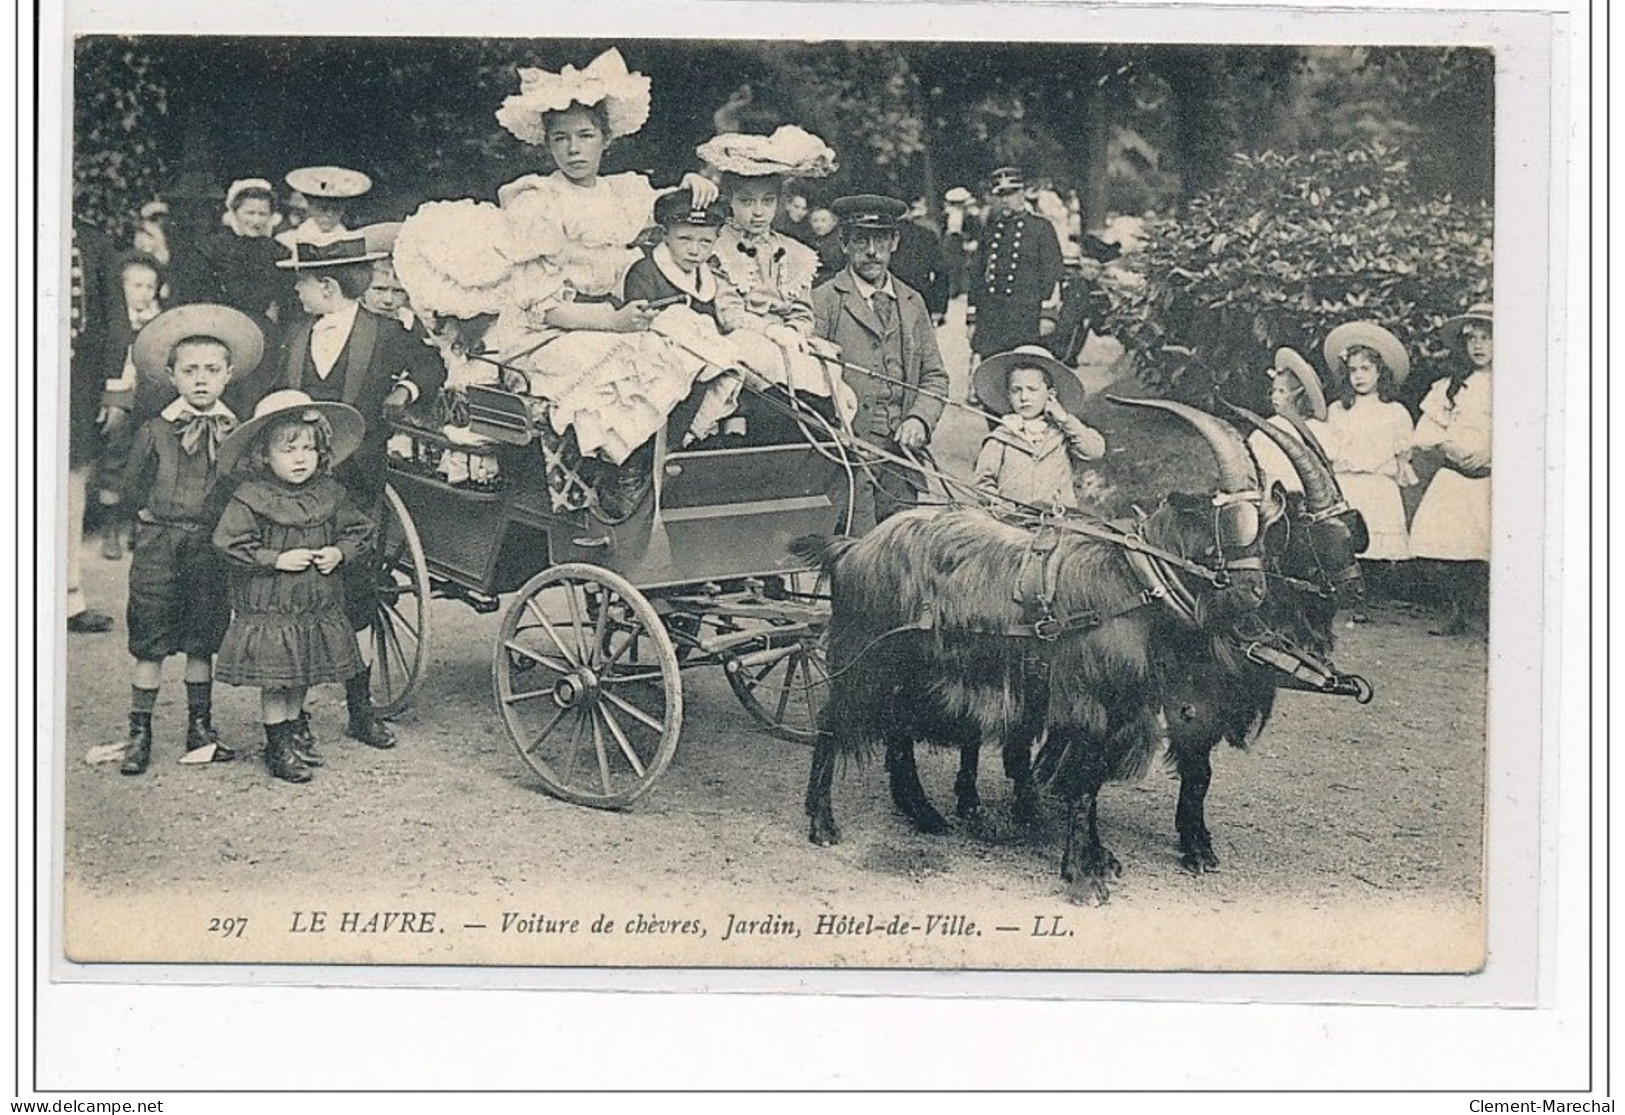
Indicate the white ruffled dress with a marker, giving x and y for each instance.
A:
(1369, 444)
(764, 306)
(567, 242)
(1453, 521)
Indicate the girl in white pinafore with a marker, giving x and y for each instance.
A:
(1368, 437)
(1299, 403)
(1452, 526)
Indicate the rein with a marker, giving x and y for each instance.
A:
(864, 452)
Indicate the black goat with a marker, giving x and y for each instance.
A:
(1218, 694)
(928, 641)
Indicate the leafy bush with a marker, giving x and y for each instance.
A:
(1285, 248)
(119, 100)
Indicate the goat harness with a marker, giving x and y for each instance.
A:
(1036, 579)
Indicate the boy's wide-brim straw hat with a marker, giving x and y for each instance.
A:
(959, 195)
(1479, 313)
(605, 81)
(345, 421)
(992, 380)
(790, 151)
(1290, 362)
(231, 327)
(331, 183)
(1367, 334)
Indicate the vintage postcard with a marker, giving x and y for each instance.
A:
(1022, 499)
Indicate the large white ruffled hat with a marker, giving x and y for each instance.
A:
(606, 81)
(790, 151)
(448, 257)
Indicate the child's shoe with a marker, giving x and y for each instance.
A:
(201, 735)
(280, 759)
(364, 723)
(304, 740)
(138, 751)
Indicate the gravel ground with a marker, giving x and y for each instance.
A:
(1350, 837)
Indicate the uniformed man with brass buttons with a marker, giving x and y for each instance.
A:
(1016, 270)
(882, 326)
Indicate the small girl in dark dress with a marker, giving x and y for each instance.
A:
(287, 530)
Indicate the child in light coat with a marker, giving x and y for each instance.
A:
(1029, 457)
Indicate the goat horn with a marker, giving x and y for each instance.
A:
(1320, 489)
(1237, 472)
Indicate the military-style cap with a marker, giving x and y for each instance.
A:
(678, 208)
(1008, 180)
(869, 211)
(334, 183)
(307, 256)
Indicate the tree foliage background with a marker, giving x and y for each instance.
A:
(1290, 186)
(1285, 247)
(1128, 126)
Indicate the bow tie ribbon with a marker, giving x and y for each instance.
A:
(750, 250)
(207, 430)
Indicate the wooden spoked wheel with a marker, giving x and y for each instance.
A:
(782, 679)
(396, 645)
(588, 685)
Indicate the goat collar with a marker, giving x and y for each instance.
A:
(1160, 583)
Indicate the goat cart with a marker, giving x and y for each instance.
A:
(601, 613)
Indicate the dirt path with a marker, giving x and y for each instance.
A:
(1350, 836)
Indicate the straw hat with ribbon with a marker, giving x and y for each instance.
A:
(790, 151)
(329, 183)
(992, 379)
(605, 81)
(232, 328)
(308, 256)
(1479, 313)
(1367, 334)
(1288, 361)
(344, 421)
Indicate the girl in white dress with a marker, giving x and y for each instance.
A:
(1299, 403)
(1368, 437)
(1452, 526)
(549, 260)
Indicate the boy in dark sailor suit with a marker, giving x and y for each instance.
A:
(172, 480)
(676, 267)
(343, 354)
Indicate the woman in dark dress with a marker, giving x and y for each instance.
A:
(241, 257)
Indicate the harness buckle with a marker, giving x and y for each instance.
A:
(1047, 629)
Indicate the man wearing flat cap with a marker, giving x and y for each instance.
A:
(1016, 270)
(883, 327)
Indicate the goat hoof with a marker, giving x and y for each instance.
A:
(1089, 891)
(970, 811)
(823, 832)
(1196, 856)
(1025, 812)
(1199, 863)
(927, 820)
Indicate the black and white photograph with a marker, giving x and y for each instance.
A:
(765, 503)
